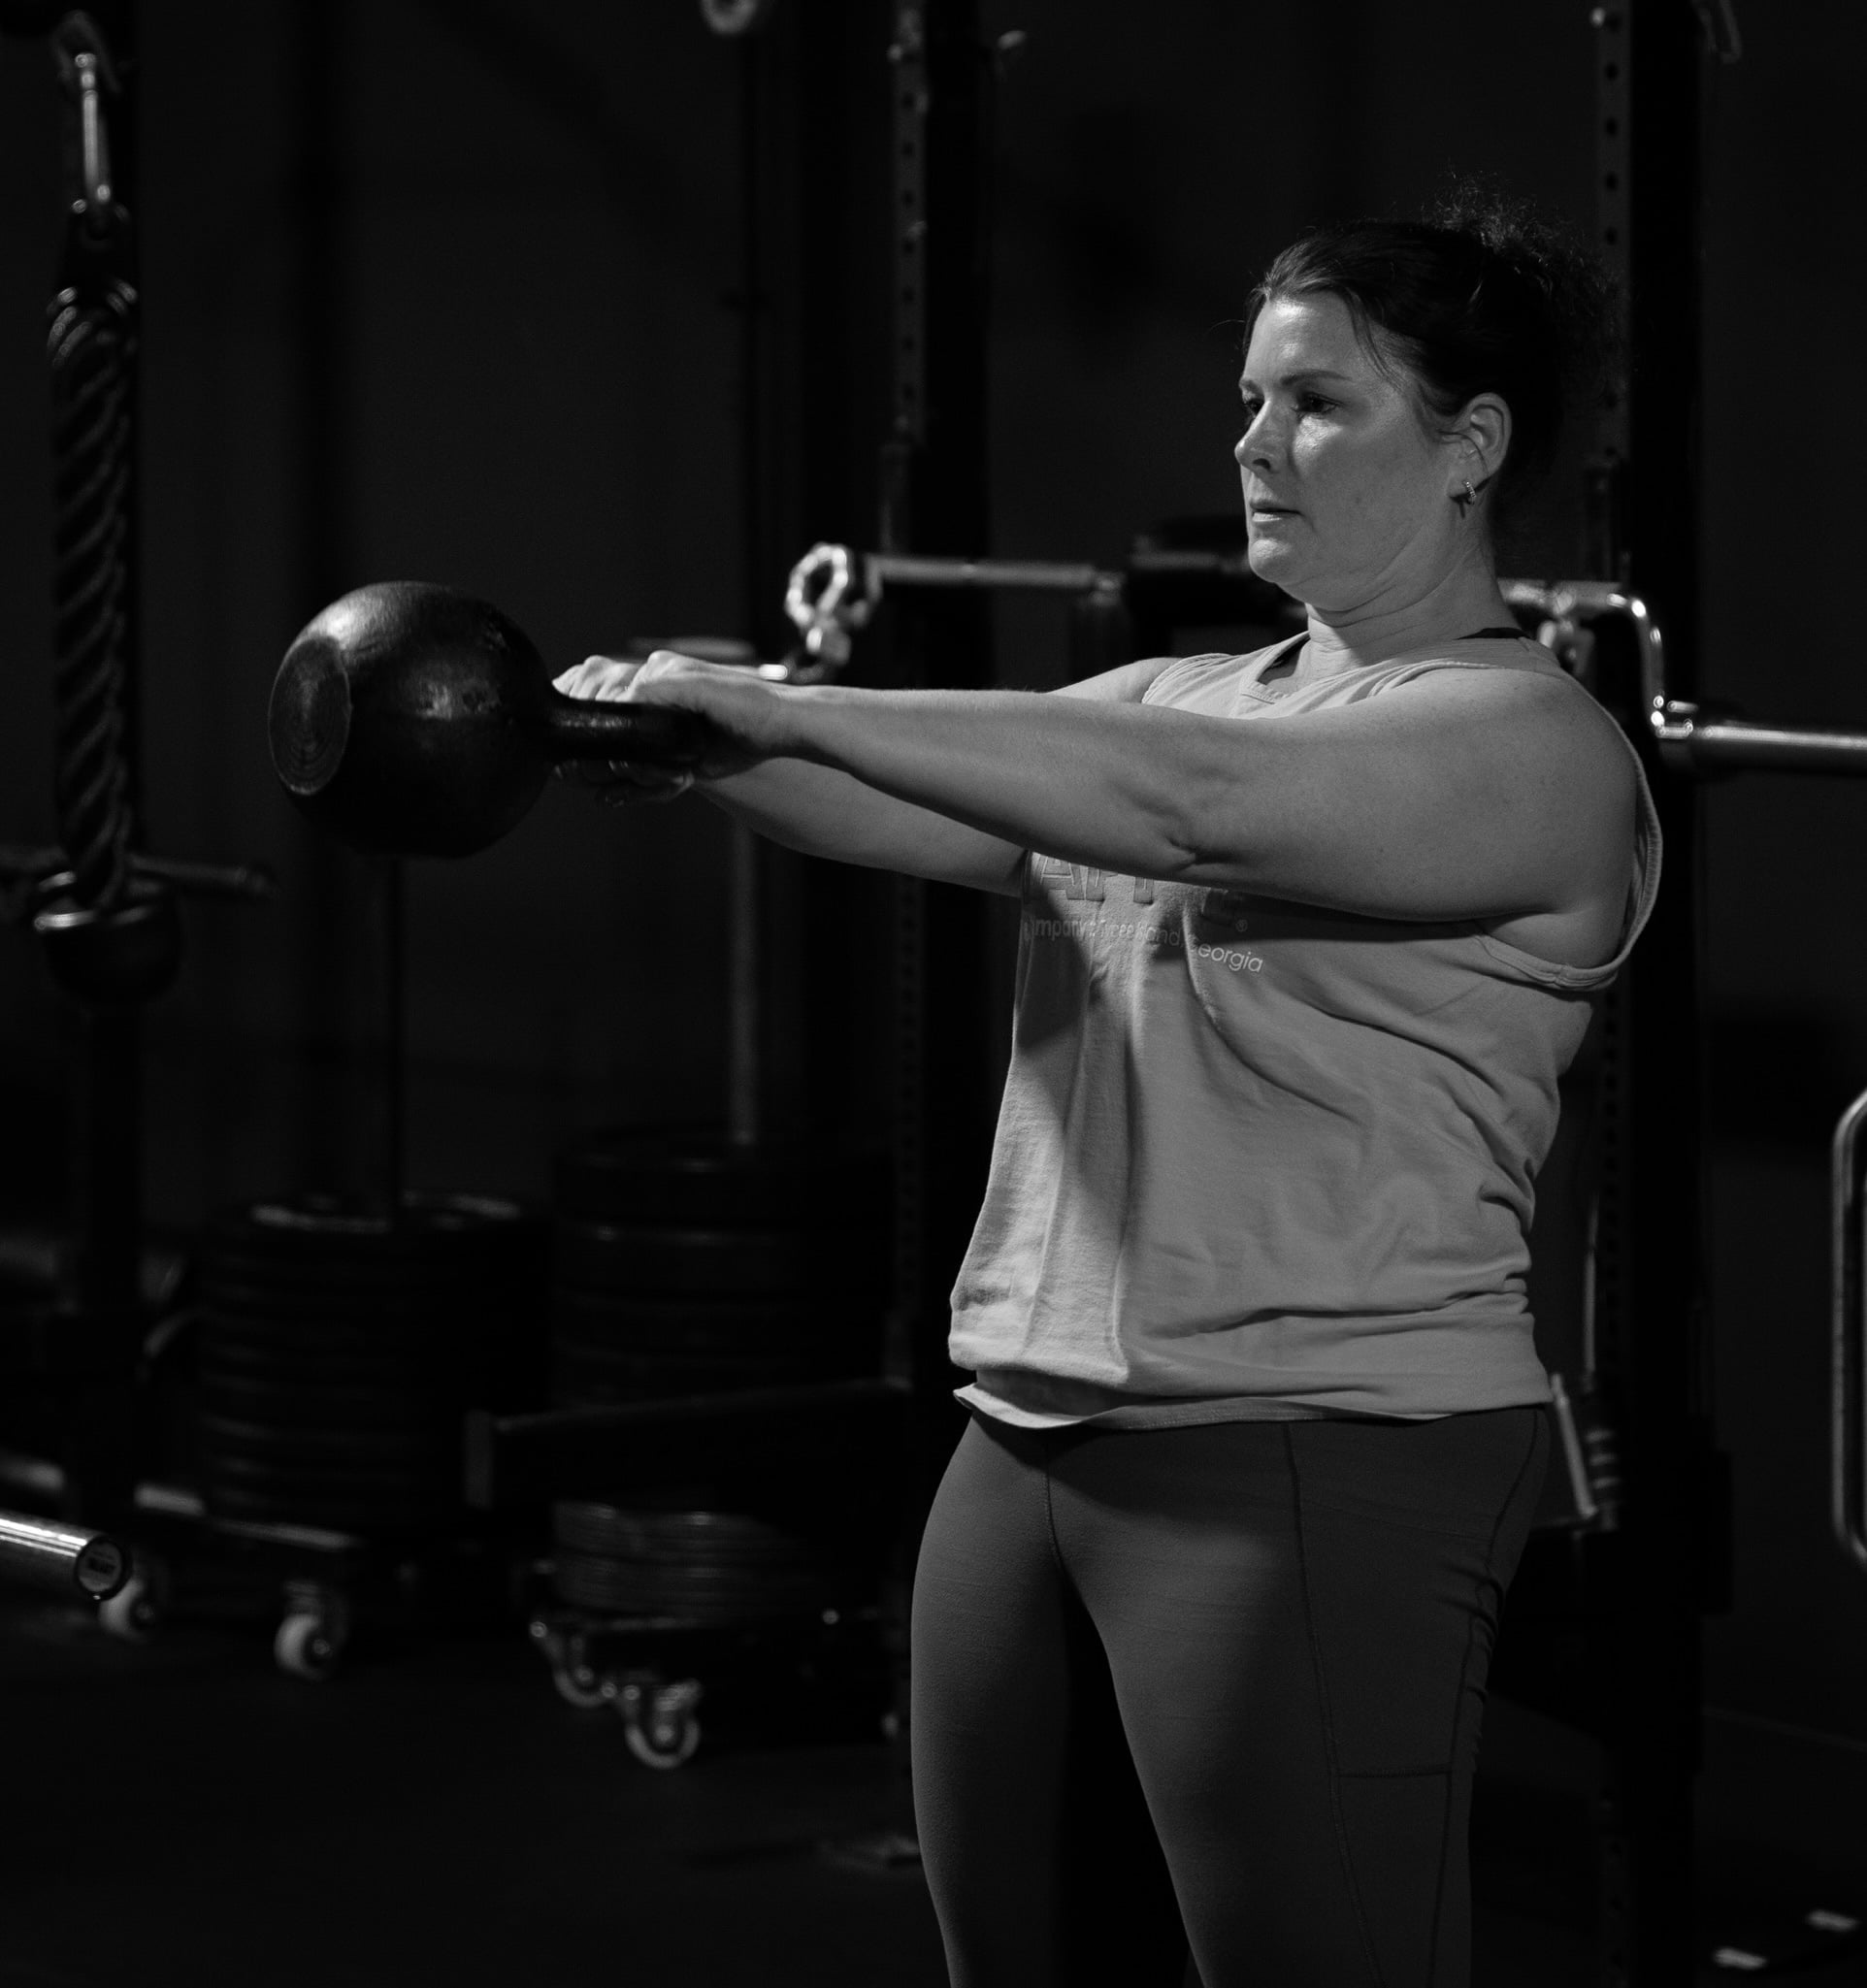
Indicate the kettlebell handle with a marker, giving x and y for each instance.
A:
(589, 729)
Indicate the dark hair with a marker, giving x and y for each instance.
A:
(1485, 295)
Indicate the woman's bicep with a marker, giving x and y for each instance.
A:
(1465, 801)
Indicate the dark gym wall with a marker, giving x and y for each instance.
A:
(498, 335)
(475, 280)
(29, 207)
(1786, 861)
(1153, 161)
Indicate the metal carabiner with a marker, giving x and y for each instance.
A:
(84, 68)
(818, 600)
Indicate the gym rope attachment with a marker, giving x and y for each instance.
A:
(91, 347)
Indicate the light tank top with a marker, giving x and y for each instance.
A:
(1260, 1160)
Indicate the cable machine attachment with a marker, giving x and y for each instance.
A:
(111, 934)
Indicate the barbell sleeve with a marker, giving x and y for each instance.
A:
(61, 1557)
(1695, 741)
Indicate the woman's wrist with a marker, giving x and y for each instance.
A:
(816, 722)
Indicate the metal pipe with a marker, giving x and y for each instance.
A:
(1029, 575)
(391, 1156)
(250, 880)
(1688, 741)
(190, 878)
(1581, 1490)
(743, 1075)
(59, 1557)
(1848, 1480)
(1570, 600)
(742, 1046)
(1693, 743)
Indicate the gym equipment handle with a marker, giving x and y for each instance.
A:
(586, 729)
(56, 1556)
(1848, 1407)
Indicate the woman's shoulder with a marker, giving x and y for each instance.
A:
(1517, 675)
(1499, 658)
(1515, 685)
(1211, 679)
(1168, 679)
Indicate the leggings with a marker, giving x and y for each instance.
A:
(1215, 1688)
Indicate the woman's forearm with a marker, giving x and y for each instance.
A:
(1095, 781)
(820, 810)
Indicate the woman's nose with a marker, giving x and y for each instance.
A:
(1258, 443)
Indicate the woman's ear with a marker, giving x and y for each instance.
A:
(1483, 432)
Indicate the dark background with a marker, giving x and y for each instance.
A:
(453, 291)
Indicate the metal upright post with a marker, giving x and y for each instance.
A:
(745, 857)
(345, 911)
(1651, 1576)
(934, 501)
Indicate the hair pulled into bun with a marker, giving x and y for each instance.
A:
(1484, 294)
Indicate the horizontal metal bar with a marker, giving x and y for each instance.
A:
(1011, 576)
(59, 1558)
(1690, 742)
(248, 880)
(1174, 562)
(1695, 743)
(1848, 1336)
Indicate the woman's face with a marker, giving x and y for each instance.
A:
(1348, 499)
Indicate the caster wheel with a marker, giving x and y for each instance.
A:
(574, 1677)
(659, 1722)
(581, 1687)
(306, 1647)
(132, 1613)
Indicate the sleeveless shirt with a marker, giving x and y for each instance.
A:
(1262, 1160)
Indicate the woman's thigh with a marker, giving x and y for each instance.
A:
(1298, 1618)
(1040, 1854)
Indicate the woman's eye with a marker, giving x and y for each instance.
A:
(1252, 408)
(1317, 404)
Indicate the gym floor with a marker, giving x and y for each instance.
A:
(181, 1812)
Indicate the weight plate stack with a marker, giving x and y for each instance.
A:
(703, 1568)
(685, 1265)
(338, 1349)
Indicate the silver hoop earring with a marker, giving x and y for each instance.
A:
(1469, 498)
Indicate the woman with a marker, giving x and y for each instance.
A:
(1309, 936)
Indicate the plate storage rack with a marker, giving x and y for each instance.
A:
(686, 1266)
(338, 1348)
